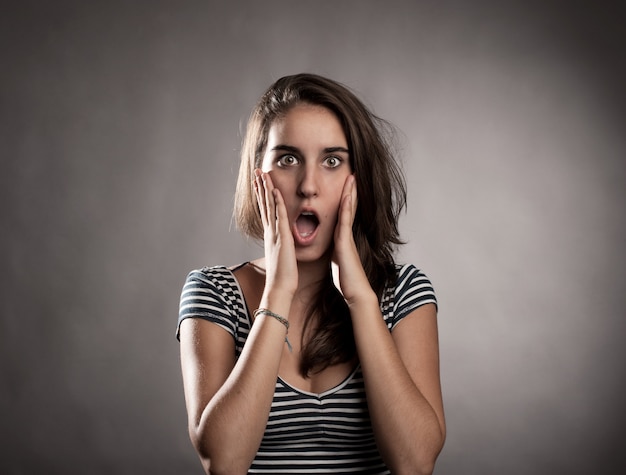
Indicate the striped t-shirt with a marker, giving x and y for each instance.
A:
(306, 433)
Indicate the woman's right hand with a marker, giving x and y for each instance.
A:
(280, 254)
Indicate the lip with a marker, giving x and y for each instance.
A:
(308, 239)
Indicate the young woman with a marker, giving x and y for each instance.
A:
(322, 356)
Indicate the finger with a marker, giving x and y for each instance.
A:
(282, 219)
(270, 203)
(349, 213)
(354, 197)
(345, 214)
(348, 199)
(259, 188)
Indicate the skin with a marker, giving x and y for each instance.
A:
(306, 166)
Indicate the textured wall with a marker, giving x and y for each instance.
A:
(119, 131)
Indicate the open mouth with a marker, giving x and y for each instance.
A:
(306, 224)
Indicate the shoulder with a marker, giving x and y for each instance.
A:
(209, 274)
(217, 283)
(215, 278)
(213, 282)
(212, 293)
(412, 289)
(411, 279)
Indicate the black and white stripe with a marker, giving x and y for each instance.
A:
(306, 433)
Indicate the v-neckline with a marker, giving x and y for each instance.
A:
(324, 393)
(279, 378)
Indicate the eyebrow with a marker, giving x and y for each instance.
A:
(289, 148)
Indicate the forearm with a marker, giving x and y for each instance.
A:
(407, 429)
(232, 424)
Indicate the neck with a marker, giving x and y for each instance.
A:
(313, 272)
(310, 276)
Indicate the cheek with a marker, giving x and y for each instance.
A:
(280, 183)
(333, 206)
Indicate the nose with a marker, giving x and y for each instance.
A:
(308, 185)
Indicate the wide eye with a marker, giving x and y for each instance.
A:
(287, 160)
(332, 161)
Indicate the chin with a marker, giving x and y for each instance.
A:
(312, 254)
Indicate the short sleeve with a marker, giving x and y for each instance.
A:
(413, 289)
(211, 293)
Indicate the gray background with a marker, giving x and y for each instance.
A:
(119, 134)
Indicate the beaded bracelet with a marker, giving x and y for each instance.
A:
(283, 320)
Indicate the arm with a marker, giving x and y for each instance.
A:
(401, 370)
(228, 401)
(401, 373)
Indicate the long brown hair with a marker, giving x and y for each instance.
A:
(381, 194)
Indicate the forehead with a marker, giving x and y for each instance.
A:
(307, 123)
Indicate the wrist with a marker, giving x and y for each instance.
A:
(365, 299)
(278, 301)
(279, 318)
(280, 287)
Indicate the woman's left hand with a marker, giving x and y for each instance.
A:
(348, 274)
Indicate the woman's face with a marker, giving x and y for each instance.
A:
(308, 159)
